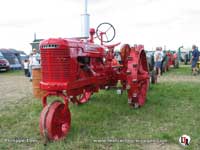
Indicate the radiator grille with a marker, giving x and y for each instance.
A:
(55, 65)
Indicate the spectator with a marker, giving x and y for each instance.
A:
(194, 59)
(26, 68)
(34, 60)
(30, 65)
(158, 56)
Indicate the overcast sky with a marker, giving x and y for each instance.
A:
(149, 22)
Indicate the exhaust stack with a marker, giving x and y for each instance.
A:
(85, 21)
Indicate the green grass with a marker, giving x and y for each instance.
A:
(182, 70)
(12, 72)
(170, 111)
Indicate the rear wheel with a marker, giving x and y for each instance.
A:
(176, 64)
(153, 77)
(138, 78)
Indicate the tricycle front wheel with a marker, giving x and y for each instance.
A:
(55, 121)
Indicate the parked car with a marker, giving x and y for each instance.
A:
(23, 57)
(13, 58)
(4, 64)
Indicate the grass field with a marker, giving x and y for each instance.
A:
(172, 109)
(12, 72)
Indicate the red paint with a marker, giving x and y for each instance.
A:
(74, 69)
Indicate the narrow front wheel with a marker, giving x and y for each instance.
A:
(55, 121)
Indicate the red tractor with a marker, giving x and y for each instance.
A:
(75, 68)
(172, 59)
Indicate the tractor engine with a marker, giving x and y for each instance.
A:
(64, 61)
(57, 66)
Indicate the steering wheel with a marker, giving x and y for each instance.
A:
(105, 32)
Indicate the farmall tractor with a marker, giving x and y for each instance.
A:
(75, 68)
(172, 59)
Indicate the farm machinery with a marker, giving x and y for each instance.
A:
(185, 57)
(75, 68)
(172, 59)
(151, 63)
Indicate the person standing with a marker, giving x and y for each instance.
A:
(26, 68)
(30, 60)
(194, 59)
(34, 60)
(158, 56)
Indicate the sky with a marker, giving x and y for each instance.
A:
(169, 23)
